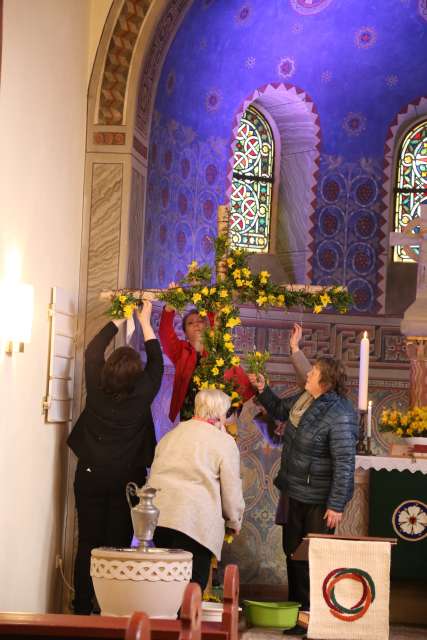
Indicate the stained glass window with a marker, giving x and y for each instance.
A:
(252, 184)
(411, 189)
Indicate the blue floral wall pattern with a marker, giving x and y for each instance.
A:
(360, 61)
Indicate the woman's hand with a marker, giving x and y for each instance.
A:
(296, 335)
(257, 380)
(144, 314)
(332, 518)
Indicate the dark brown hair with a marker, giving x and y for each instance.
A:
(120, 372)
(332, 374)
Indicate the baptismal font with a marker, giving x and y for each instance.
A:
(144, 578)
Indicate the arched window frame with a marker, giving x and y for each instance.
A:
(398, 190)
(275, 174)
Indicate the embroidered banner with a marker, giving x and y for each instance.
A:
(349, 589)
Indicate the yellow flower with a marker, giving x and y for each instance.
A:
(196, 379)
(122, 299)
(232, 322)
(234, 394)
(215, 371)
(264, 274)
(222, 386)
(318, 308)
(205, 291)
(223, 293)
(212, 290)
(204, 385)
(257, 354)
(228, 538)
(237, 273)
(220, 362)
(212, 386)
(280, 299)
(179, 290)
(227, 337)
(325, 300)
(246, 272)
(239, 282)
(128, 310)
(226, 309)
(230, 262)
(229, 346)
(193, 265)
(196, 297)
(237, 252)
(203, 313)
(271, 299)
(249, 283)
(263, 280)
(262, 299)
(399, 432)
(235, 361)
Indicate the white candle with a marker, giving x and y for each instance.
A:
(363, 372)
(369, 422)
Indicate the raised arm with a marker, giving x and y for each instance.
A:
(170, 342)
(300, 363)
(95, 354)
(154, 366)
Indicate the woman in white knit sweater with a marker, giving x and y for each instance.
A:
(197, 469)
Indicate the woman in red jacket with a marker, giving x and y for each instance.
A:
(185, 355)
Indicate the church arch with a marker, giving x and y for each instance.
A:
(296, 121)
(400, 276)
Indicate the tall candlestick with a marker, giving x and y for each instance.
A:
(363, 372)
(369, 422)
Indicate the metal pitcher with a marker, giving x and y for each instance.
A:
(144, 515)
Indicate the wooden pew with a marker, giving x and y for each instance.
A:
(56, 626)
(29, 626)
(227, 629)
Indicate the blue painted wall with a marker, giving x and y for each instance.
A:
(361, 61)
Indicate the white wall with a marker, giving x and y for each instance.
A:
(48, 47)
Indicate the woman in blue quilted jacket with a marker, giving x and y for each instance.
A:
(318, 459)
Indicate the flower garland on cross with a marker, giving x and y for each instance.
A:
(219, 300)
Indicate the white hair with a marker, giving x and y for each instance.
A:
(211, 404)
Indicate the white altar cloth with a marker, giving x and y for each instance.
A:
(390, 463)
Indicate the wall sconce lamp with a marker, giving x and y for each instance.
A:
(16, 317)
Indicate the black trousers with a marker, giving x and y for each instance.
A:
(302, 519)
(104, 520)
(173, 539)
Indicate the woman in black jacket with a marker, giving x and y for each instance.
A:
(318, 459)
(114, 441)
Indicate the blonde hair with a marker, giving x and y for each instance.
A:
(211, 403)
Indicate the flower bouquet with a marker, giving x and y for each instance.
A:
(411, 426)
(256, 361)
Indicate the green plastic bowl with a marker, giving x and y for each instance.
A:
(282, 615)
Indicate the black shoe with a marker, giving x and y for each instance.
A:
(295, 631)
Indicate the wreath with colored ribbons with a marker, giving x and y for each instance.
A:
(362, 605)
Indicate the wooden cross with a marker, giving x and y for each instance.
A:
(223, 226)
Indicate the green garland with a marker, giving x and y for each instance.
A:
(219, 301)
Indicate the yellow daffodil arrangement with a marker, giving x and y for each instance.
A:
(219, 301)
(405, 424)
(123, 305)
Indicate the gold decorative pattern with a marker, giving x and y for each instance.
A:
(119, 57)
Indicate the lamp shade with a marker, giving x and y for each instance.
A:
(16, 316)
